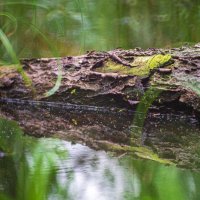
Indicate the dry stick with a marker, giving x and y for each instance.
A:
(117, 59)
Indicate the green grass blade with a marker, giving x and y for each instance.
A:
(25, 3)
(6, 43)
(11, 18)
(58, 81)
(55, 54)
(142, 109)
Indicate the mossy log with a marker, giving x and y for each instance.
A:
(117, 78)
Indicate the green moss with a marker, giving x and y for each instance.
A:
(141, 152)
(141, 65)
(158, 61)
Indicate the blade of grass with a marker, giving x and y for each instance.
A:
(6, 43)
(14, 58)
(58, 81)
(25, 3)
(13, 19)
(55, 54)
(80, 6)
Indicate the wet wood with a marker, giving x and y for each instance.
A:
(82, 82)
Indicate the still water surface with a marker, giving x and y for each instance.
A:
(33, 168)
(39, 28)
(48, 168)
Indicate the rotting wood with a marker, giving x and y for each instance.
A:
(84, 83)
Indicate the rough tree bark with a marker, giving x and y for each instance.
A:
(85, 80)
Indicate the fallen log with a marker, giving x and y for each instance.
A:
(117, 78)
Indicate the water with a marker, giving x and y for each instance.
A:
(47, 168)
(50, 168)
(41, 28)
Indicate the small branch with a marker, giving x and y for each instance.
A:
(118, 60)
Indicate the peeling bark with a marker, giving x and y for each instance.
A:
(84, 84)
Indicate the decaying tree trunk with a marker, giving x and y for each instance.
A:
(97, 87)
(107, 78)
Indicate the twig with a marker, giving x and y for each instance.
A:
(122, 155)
(119, 60)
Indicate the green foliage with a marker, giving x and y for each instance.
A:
(34, 163)
(158, 182)
(9, 134)
(75, 26)
(14, 58)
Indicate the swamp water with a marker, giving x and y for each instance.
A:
(50, 168)
(39, 28)
(47, 168)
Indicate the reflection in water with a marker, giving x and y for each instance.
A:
(73, 27)
(55, 169)
(95, 176)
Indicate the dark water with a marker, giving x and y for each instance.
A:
(39, 28)
(38, 169)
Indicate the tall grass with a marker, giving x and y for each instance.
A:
(11, 54)
(14, 58)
